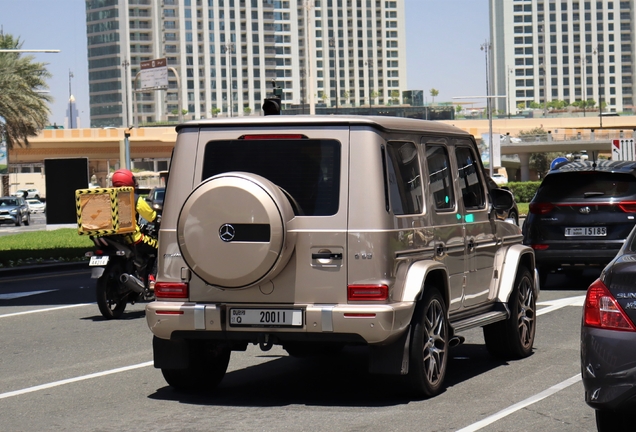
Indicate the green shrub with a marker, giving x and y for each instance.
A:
(36, 246)
(524, 191)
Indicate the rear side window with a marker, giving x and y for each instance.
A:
(439, 177)
(308, 170)
(405, 179)
(473, 193)
(586, 185)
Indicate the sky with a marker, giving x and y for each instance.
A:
(443, 39)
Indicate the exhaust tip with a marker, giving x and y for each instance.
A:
(456, 340)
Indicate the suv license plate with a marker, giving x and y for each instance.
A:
(586, 232)
(266, 317)
(98, 260)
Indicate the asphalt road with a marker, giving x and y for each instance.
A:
(63, 367)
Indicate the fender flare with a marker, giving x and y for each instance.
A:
(416, 276)
(515, 256)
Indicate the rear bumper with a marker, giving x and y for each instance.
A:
(380, 323)
(555, 257)
(608, 368)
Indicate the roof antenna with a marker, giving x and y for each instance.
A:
(594, 154)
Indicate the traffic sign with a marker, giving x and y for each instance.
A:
(154, 74)
(558, 161)
(623, 149)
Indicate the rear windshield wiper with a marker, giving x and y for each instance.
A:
(592, 194)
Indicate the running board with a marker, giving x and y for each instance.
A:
(479, 320)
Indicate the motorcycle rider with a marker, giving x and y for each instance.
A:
(145, 245)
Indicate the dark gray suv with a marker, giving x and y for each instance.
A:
(581, 214)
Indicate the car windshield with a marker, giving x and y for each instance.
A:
(8, 202)
(586, 185)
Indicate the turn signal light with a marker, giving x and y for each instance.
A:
(367, 292)
(171, 290)
(601, 310)
(541, 207)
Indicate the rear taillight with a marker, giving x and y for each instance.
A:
(367, 292)
(603, 311)
(541, 207)
(171, 290)
(539, 247)
(627, 206)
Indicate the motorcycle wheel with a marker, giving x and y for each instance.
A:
(111, 304)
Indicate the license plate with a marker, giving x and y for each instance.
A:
(98, 260)
(266, 317)
(586, 232)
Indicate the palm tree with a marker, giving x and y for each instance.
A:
(22, 103)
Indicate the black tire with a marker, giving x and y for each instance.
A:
(18, 221)
(28, 219)
(208, 364)
(110, 302)
(543, 276)
(514, 337)
(513, 215)
(613, 421)
(429, 345)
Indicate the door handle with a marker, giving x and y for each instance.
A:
(326, 255)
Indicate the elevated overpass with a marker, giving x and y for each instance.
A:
(102, 146)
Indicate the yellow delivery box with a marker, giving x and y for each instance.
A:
(105, 211)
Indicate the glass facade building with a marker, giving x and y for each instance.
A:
(228, 54)
(567, 50)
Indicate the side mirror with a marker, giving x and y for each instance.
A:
(502, 200)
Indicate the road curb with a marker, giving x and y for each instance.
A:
(42, 268)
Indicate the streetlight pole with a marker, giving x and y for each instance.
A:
(584, 84)
(125, 65)
(485, 47)
(332, 44)
(597, 52)
(510, 71)
(70, 104)
(309, 47)
(229, 47)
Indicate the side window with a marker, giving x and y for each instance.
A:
(405, 179)
(472, 191)
(439, 177)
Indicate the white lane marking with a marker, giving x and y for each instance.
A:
(11, 296)
(560, 303)
(556, 304)
(72, 380)
(45, 310)
(524, 403)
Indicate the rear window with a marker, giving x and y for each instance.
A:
(585, 186)
(308, 170)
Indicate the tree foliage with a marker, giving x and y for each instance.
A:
(23, 106)
(434, 92)
(540, 162)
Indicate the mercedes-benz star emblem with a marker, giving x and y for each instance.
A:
(226, 232)
(585, 210)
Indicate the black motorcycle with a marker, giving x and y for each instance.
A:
(123, 275)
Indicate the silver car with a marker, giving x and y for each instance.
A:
(315, 233)
(14, 210)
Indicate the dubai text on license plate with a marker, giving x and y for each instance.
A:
(586, 232)
(266, 317)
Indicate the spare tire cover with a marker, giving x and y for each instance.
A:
(231, 230)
